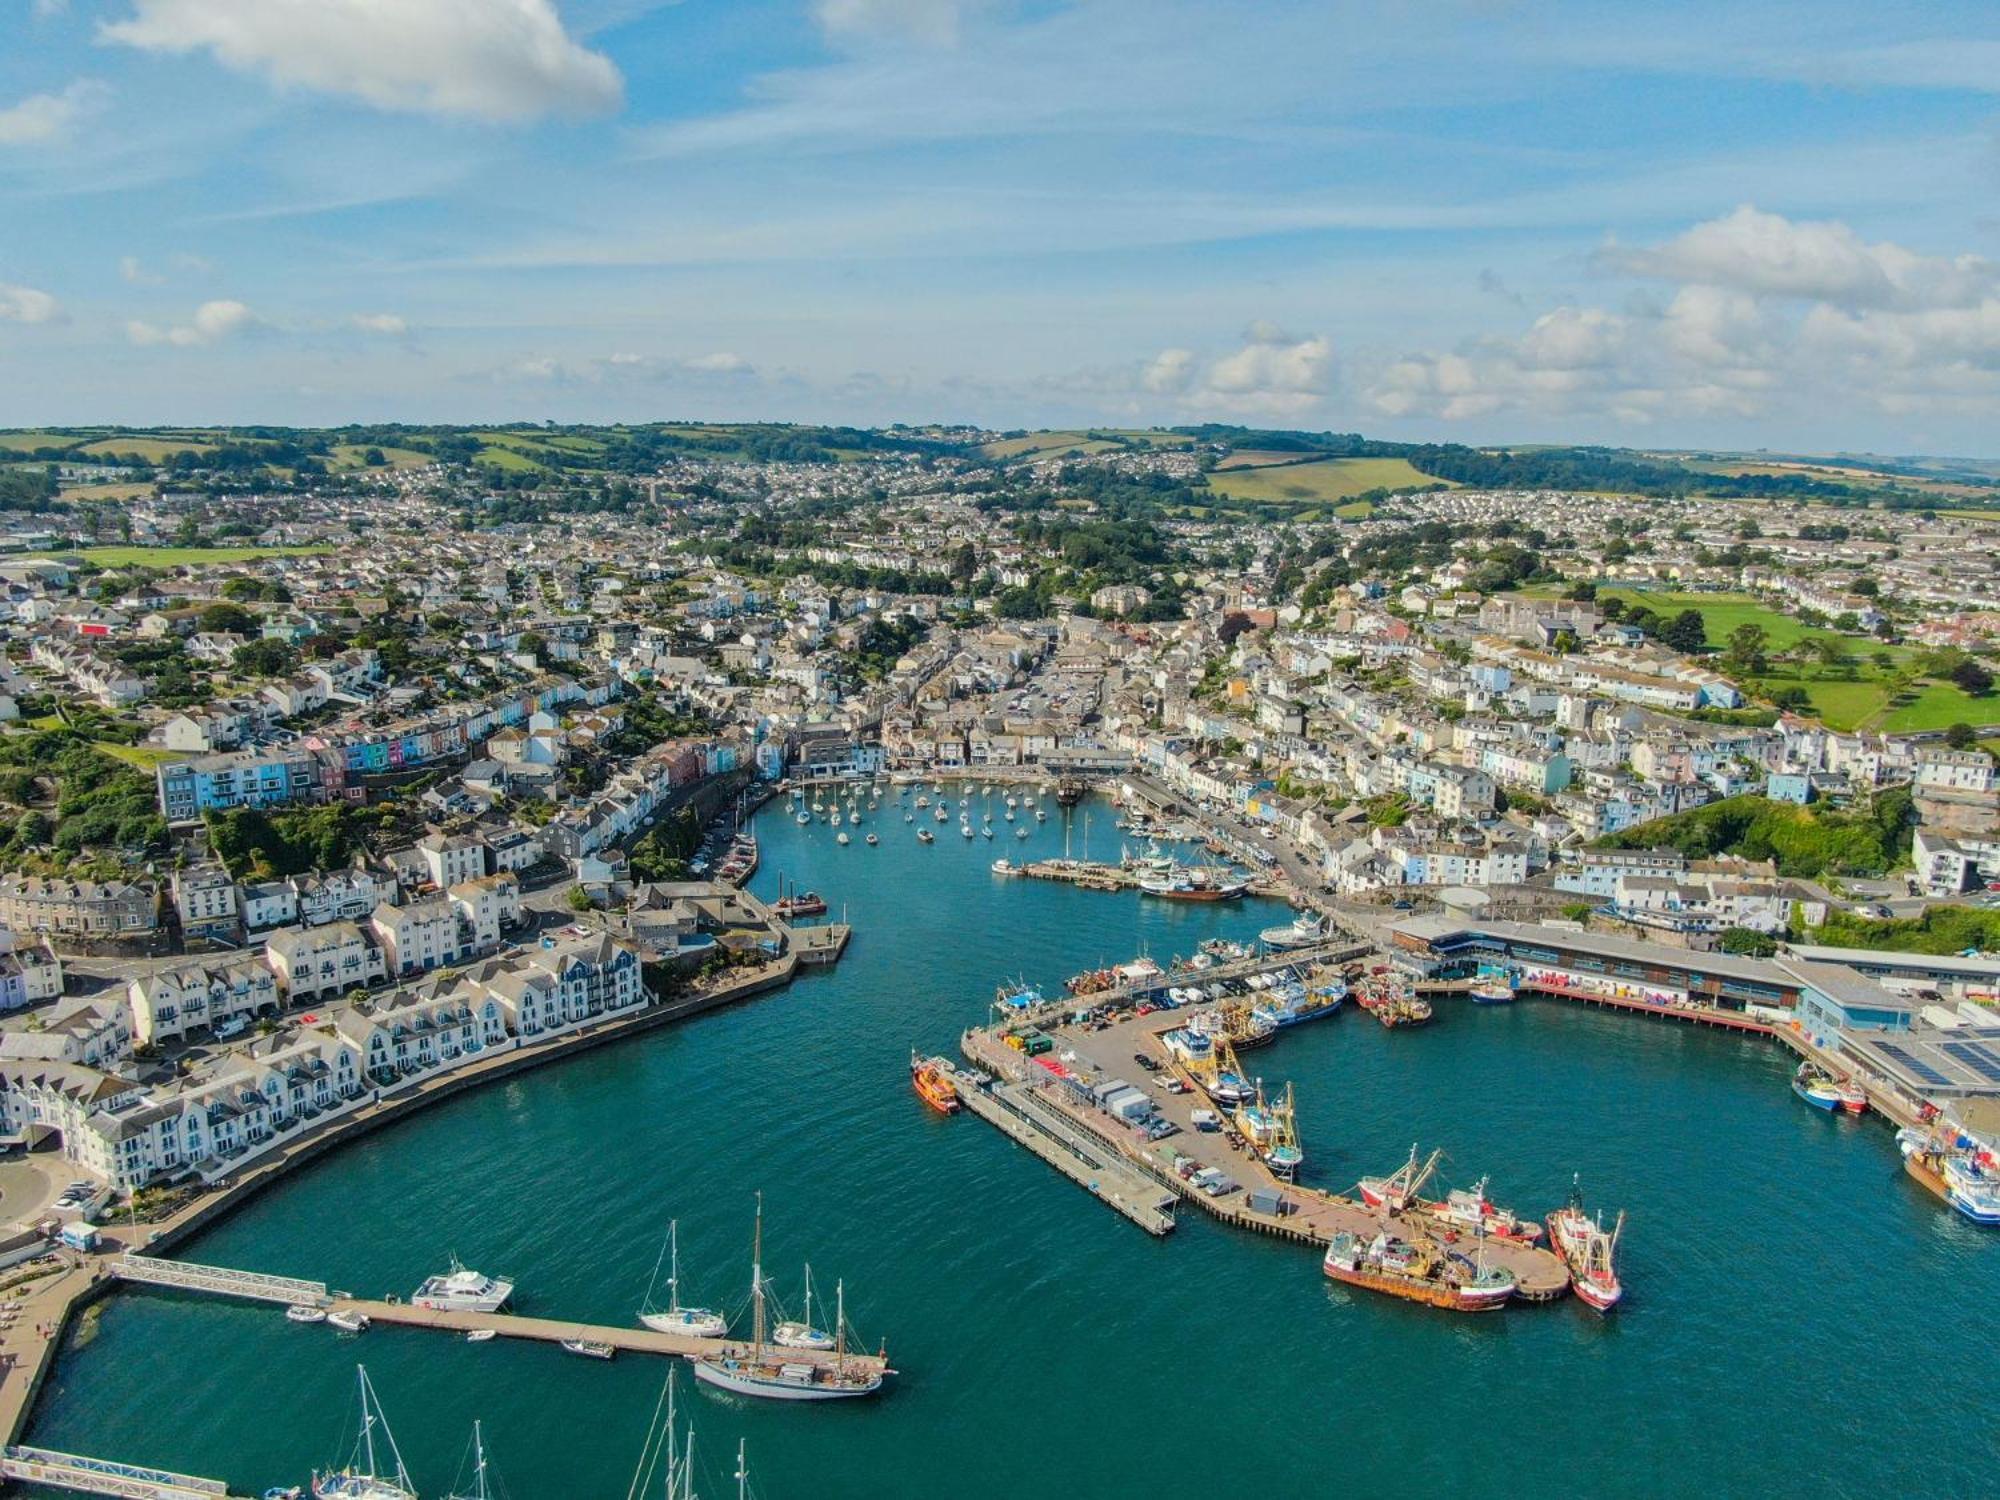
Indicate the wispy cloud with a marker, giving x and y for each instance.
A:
(212, 323)
(42, 118)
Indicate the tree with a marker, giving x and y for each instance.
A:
(578, 898)
(264, 659)
(227, 617)
(1960, 736)
(1745, 655)
(1972, 678)
(1685, 631)
(1748, 943)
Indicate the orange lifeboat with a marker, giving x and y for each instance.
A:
(932, 1086)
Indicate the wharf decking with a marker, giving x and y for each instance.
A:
(1313, 1216)
(1098, 1168)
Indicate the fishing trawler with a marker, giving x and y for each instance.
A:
(1419, 1272)
(1398, 1190)
(1392, 1001)
(1924, 1153)
(363, 1478)
(1972, 1186)
(766, 1374)
(1492, 989)
(695, 1322)
(1580, 1239)
(933, 1086)
(1303, 931)
(1218, 1074)
(1193, 883)
(460, 1290)
(1814, 1085)
(804, 904)
(1272, 1131)
(1470, 1209)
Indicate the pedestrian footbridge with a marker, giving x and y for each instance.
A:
(219, 1280)
(101, 1476)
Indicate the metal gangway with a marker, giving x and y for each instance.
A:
(219, 1280)
(101, 1476)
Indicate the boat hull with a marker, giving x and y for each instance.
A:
(1826, 1099)
(690, 1321)
(741, 1380)
(1413, 1289)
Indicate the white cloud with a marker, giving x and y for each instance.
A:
(387, 324)
(493, 60)
(133, 270)
(23, 304)
(937, 23)
(1168, 372)
(212, 323)
(722, 365)
(1769, 314)
(1824, 261)
(41, 118)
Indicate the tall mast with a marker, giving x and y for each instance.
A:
(840, 1325)
(757, 1280)
(742, 1474)
(367, 1422)
(674, 1268)
(478, 1460)
(809, 1295)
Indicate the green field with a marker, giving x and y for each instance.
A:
(348, 456)
(1871, 701)
(174, 557)
(152, 450)
(1325, 479)
(1049, 445)
(28, 441)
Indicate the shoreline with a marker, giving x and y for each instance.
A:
(41, 1307)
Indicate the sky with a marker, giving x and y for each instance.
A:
(1690, 225)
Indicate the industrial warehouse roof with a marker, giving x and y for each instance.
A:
(1962, 1062)
(1944, 964)
(1432, 929)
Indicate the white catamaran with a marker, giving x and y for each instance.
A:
(696, 1322)
(362, 1478)
(766, 1373)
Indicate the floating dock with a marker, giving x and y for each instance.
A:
(223, 1281)
(1098, 1169)
(103, 1476)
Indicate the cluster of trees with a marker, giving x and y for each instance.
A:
(99, 802)
(1804, 841)
(1940, 929)
(32, 490)
(258, 844)
(883, 643)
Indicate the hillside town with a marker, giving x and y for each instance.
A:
(382, 787)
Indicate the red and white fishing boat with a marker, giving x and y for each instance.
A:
(1470, 1209)
(1398, 1190)
(1587, 1249)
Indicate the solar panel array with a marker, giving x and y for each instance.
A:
(1982, 1060)
(1917, 1067)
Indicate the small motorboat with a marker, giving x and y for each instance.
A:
(1816, 1088)
(872, 840)
(305, 1312)
(482, 1335)
(588, 1348)
(925, 836)
(348, 1322)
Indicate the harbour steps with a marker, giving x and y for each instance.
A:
(1098, 1169)
(254, 1286)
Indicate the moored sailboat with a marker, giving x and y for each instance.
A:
(695, 1322)
(363, 1477)
(766, 1374)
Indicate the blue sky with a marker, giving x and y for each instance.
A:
(1699, 224)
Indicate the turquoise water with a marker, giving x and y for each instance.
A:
(1800, 1319)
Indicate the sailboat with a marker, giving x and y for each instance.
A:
(802, 1335)
(362, 1477)
(695, 1322)
(479, 1490)
(663, 1445)
(778, 1379)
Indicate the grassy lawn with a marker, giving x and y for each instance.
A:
(145, 757)
(174, 557)
(106, 491)
(1722, 613)
(500, 456)
(28, 440)
(1324, 479)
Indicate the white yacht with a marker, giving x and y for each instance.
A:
(696, 1322)
(460, 1290)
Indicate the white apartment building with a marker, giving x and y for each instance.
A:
(167, 1005)
(315, 962)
